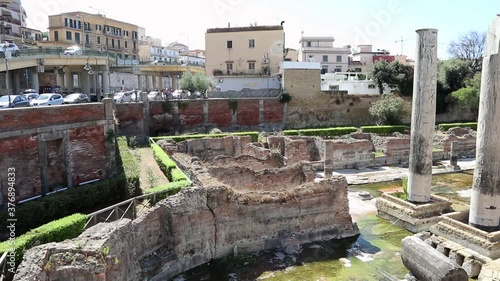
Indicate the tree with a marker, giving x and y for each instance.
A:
(469, 47)
(452, 75)
(382, 72)
(468, 97)
(390, 110)
(394, 74)
(196, 83)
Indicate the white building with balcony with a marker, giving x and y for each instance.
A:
(13, 19)
(151, 49)
(320, 49)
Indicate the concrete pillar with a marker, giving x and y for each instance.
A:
(140, 82)
(155, 82)
(68, 80)
(149, 83)
(160, 82)
(34, 79)
(328, 159)
(16, 86)
(423, 116)
(85, 82)
(59, 77)
(485, 200)
(105, 82)
(175, 85)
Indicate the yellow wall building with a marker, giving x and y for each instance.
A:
(94, 31)
(252, 50)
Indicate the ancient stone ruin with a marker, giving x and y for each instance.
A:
(246, 195)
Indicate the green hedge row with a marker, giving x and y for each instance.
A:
(254, 135)
(129, 165)
(177, 175)
(167, 189)
(384, 130)
(327, 132)
(446, 127)
(80, 199)
(55, 231)
(165, 163)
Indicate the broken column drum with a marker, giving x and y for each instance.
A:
(423, 117)
(485, 201)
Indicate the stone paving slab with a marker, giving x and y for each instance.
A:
(390, 173)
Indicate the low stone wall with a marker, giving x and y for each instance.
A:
(208, 148)
(192, 228)
(352, 153)
(396, 149)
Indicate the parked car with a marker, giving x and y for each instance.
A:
(13, 48)
(48, 99)
(152, 96)
(136, 96)
(157, 62)
(30, 94)
(123, 97)
(74, 50)
(13, 101)
(76, 98)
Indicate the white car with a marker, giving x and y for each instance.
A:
(47, 99)
(152, 96)
(10, 47)
(73, 51)
(123, 97)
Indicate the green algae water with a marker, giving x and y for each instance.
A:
(372, 256)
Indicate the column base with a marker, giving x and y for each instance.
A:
(414, 217)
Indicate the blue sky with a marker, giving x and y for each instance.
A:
(376, 22)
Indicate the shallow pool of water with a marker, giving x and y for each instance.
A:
(373, 255)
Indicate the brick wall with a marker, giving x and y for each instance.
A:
(130, 116)
(352, 154)
(53, 147)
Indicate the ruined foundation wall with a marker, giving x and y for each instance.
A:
(192, 228)
(208, 148)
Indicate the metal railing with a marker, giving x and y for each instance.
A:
(126, 209)
(3, 266)
(41, 51)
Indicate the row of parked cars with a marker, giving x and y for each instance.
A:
(32, 98)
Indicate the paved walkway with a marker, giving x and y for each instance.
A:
(390, 173)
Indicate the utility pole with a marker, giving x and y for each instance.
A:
(7, 79)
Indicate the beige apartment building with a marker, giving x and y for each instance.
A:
(252, 50)
(94, 31)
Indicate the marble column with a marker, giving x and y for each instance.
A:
(454, 153)
(423, 117)
(485, 201)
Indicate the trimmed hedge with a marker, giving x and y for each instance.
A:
(254, 135)
(446, 127)
(327, 132)
(168, 189)
(129, 165)
(177, 175)
(165, 163)
(55, 231)
(74, 200)
(384, 130)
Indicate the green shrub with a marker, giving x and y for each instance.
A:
(165, 163)
(73, 200)
(383, 130)
(328, 132)
(168, 189)
(446, 127)
(177, 175)
(129, 165)
(55, 231)
(254, 135)
(390, 109)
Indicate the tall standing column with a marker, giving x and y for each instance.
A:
(485, 200)
(423, 117)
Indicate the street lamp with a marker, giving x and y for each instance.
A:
(106, 40)
(7, 79)
(91, 72)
